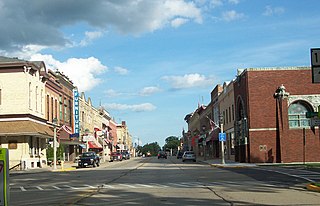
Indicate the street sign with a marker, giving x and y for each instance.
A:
(315, 65)
(311, 114)
(315, 121)
(222, 137)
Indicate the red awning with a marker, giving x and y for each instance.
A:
(93, 145)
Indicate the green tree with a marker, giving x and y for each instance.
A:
(172, 142)
(153, 148)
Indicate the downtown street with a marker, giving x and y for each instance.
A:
(152, 181)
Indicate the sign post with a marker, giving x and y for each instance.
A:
(4, 177)
(315, 65)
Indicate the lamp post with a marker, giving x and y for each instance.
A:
(54, 122)
(204, 141)
(222, 142)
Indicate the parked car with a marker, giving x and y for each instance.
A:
(126, 155)
(179, 155)
(89, 158)
(162, 154)
(148, 154)
(188, 155)
(116, 156)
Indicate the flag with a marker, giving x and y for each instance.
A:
(212, 124)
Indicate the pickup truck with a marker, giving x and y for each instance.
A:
(89, 158)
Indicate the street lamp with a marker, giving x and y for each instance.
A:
(55, 122)
(204, 141)
(222, 142)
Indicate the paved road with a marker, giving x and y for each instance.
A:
(152, 181)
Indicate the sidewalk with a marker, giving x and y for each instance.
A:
(228, 163)
(67, 166)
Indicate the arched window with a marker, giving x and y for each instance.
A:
(297, 114)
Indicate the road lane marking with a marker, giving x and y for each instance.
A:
(108, 186)
(126, 185)
(55, 187)
(74, 188)
(39, 188)
(90, 186)
(159, 185)
(23, 189)
(143, 185)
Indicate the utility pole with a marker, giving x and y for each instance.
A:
(222, 142)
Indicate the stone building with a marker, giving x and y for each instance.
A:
(24, 129)
(270, 115)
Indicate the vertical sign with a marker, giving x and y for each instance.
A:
(315, 65)
(76, 125)
(4, 177)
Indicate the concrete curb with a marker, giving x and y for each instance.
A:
(228, 166)
(65, 169)
(312, 187)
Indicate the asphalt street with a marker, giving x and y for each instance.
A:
(152, 181)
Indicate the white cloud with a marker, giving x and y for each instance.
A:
(232, 15)
(215, 3)
(90, 36)
(112, 93)
(188, 81)
(146, 91)
(234, 1)
(270, 11)
(144, 107)
(129, 17)
(82, 71)
(121, 70)
(178, 22)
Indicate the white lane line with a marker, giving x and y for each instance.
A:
(39, 188)
(284, 173)
(179, 185)
(143, 185)
(90, 186)
(74, 188)
(22, 189)
(55, 187)
(108, 186)
(159, 185)
(126, 185)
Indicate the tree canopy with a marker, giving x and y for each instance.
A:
(153, 148)
(172, 142)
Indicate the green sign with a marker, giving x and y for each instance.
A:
(311, 114)
(4, 177)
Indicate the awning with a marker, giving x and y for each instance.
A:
(94, 145)
(25, 127)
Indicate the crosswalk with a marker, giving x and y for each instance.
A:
(130, 186)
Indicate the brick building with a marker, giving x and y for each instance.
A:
(270, 115)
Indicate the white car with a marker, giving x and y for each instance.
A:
(188, 155)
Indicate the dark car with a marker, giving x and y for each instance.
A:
(116, 156)
(126, 155)
(89, 158)
(179, 155)
(162, 154)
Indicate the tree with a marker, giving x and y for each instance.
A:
(172, 142)
(153, 148)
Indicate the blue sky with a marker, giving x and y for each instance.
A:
(150, 62)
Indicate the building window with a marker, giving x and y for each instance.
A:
(232, 113)
(37, 98)
(41, 101)
(48, 108)
(297, 114)
(60, 107)
(52, 117)
(29, 95)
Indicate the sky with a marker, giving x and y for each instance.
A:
(151, 62)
